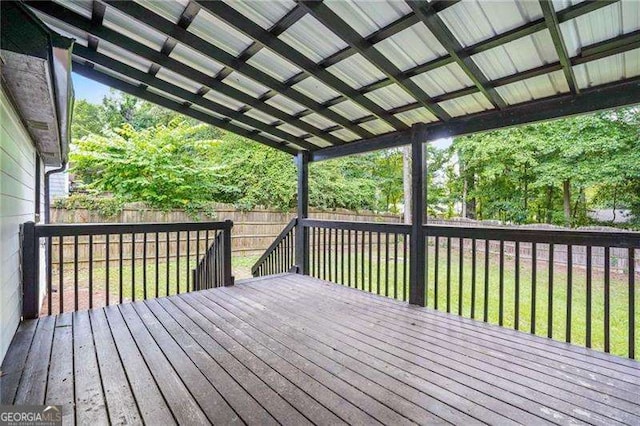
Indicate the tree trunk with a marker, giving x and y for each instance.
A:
(566, 196)
(406, 182)
(615, 201)
(549, 203)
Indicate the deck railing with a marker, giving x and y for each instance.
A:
(574, 286)
(280, 255)
(127, 262)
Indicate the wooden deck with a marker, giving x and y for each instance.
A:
(290, 349)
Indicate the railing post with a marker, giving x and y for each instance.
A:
(302, 235)
(417, 258)
(30, 270)
(226, 247)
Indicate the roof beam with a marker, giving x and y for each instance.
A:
(603, 97)
(553, 25)
(168, 28)
(268, 40)
(350, 36)
(149, 80)
(443, 34)
(593, 52)
(89, 72)
(524, 30)
(71, 18)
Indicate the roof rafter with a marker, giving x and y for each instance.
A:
(268, 40)
(140, 92)
(169, 29)
(150, 80)
(524, 30)
(553, 25)
(65, 15)
(350, 36)
(620, 44)
(612, 95)
(443, 34)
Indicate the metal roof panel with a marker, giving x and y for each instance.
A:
(390, 97)
(295, 131)
(168, 9)
(345, 134)
(247, 85)
(606, 70)
(356, 71)
(262, 116)
(350, 110)
(472, 22)
(285, 104)
(274, 65)
(309, 37)
(377, 127)
(178, 80)
(411, 47)
(316, 90)
(125, 25)
(81, 7)
(195, 59)
(318, 121)
(219, 33)
(468, 104)
(533, 88)
(222, 99)
(367, 17)
(417, 115)
(443, 80)
(263, 13)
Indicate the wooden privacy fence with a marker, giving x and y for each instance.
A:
(253, 230)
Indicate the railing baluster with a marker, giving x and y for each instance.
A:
(75, 272)
(487, 255)
(61, 274)
(501, 286)
(167, 272)
(405, 284)
(534, 287)
(436, 273)
(144, 266)
(362, 279)
(516, 317)
(48, 274)
(448, 274)
(632, 302)
(588, 302)
(90, 271)
(120, 264)
(370, 262)
(188, 260)
(349, 258)
(329, 254)
(178, 262)
(386, 264)
(197, 279)
(473, 278)
(324, 253)
(569, 291)
(133, 267)
(378, 265)
(395, 266)
(550, 293)
(607, 300)
(355, 259)
(107, 266)
(342, 257)
(460, 274)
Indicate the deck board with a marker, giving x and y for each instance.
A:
(294, 350)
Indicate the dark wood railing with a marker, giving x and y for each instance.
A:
(573, 286)
(280, 255)
(364, 255)
(127, 262)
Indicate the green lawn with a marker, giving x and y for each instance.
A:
(390, 286)
(619, 297)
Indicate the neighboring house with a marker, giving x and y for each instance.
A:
(36, 98)
(58, 184)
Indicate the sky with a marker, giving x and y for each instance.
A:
(89, 90)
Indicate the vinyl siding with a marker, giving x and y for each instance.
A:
(17, 205)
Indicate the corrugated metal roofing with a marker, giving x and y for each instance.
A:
(352, 109)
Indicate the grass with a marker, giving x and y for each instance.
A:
(389, 285)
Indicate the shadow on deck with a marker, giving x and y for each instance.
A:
(292, 349)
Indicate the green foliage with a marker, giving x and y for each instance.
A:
(106, 206)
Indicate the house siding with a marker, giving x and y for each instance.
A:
(17, 205)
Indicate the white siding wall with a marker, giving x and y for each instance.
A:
(17, 205)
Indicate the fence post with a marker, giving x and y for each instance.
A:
(302, 234)
(226, 247)
(417, 258)
(30, 270)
